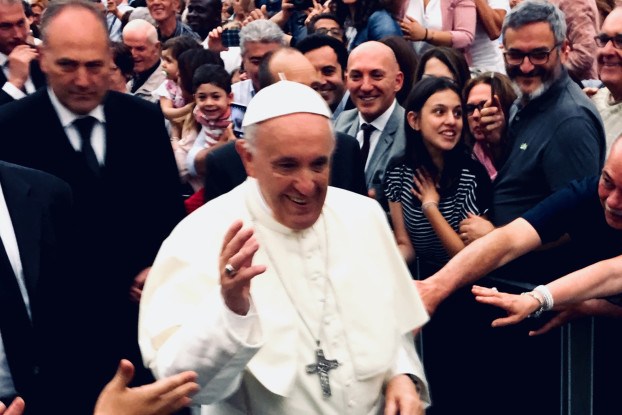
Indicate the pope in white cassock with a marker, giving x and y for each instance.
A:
(286, 296)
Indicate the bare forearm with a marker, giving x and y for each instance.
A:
(491, 19)
(449, 238)
(439, 38)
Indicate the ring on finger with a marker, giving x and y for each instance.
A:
(230, 270)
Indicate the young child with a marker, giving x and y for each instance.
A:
(211, 86)
(173, 105)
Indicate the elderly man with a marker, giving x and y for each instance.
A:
(81, 134)
(204, 16)
(373, 79)
(608, 100)
(289, 340)
(142, 39)
(329, 57)
(164, 12)
(224, 166)
(20, 73)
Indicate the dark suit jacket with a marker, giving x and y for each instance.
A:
(225, 170)
(40, 207)
(121, 219)
(37, 76)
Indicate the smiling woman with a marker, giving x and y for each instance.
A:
(436, 184)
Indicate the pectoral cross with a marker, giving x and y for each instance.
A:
(321, 367)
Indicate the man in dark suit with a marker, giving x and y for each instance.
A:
(373, 79)
(19, 70)
(35, 217)
(122, 173)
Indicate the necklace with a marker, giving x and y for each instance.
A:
(322, 365)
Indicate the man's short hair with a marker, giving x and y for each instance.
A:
(143, 27)
(261, 31)
(57, 6)
(531, 11)
(318, 40)
(330, 16)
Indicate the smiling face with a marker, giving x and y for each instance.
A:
(610, 187)
(254, 53)
(76, 58)
(203, 15)
(325, 61)
(291, 163)
(609, 58)
(373, 79)
(162, 10)
(533, 37)
(439, 121)
(212, 100)
(478, 94)
(145, 53)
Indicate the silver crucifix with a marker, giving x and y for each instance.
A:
(321, 367)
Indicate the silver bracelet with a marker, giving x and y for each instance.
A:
(540, 301)
(427, 205)
(546, 295)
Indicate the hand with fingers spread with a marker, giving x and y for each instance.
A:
(236, 267)
(162, 397)
(518, 307)
(425, 187)
(256, 14)
(317, 8)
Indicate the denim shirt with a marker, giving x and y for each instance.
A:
(379, 25)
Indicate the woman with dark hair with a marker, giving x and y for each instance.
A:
(123, 67)
(407, 59)
(489, 141)
(443, 62)
(436, 183)
(365, 20)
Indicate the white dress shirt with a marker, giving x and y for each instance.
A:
(379, 124)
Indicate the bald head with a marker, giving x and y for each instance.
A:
(373, 78)
(142, 38)
(291, 65)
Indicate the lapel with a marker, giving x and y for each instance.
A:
(26, 219)
(385, 141)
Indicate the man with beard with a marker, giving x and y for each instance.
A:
(555, 135)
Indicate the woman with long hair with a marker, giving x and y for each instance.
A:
(437, 182)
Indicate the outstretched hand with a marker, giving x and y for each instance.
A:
(518, 307)
(16, 407)
(162, 397)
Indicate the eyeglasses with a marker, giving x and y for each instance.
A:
(334, 31)
(470, 108)
(536, 57)
(602, 40)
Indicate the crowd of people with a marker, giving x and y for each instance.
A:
(326, 182)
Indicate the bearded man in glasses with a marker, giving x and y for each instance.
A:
(555, 135)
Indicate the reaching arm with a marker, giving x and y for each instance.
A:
(491, 19)
(401, 235)
(478, 259)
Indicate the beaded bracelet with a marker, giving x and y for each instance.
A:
(427, 205)
(540, 301)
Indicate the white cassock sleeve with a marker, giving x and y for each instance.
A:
(215, 343)
(408, 362)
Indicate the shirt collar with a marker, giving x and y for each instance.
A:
(380, 122)
(3, 59)
(67, 117)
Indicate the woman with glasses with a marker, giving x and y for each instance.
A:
(488, 138)
(433, 187)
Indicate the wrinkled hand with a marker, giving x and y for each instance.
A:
(19, 64)
(136, 291)
(162, 397)
(214, 40)
(425, 187)
(238, 249)
(256, 14)
(474, 227)
(16, 407)
(412, 29)
(492, 121)
(518, 307)
(401, 397)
